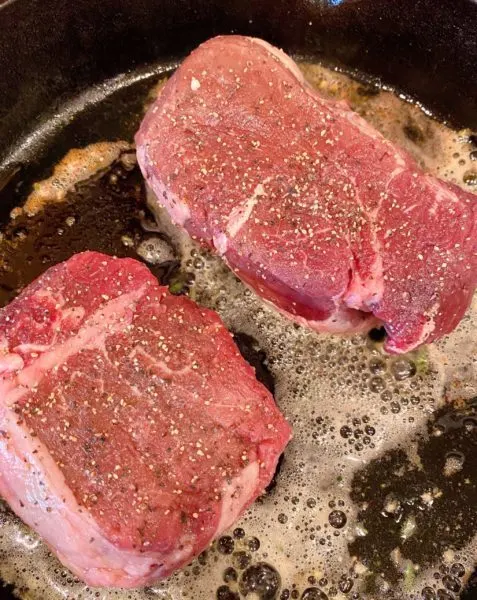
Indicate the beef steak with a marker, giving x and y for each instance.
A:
(310, 205)
(132, 431)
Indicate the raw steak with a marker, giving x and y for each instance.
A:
(132, 431)
(311, 206)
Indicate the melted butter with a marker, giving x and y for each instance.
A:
(443, 151)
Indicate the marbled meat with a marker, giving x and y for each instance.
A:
(132, 431)
(310, 205)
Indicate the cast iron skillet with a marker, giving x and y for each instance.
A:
(52, 52)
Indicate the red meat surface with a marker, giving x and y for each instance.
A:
(132, 431)
(309, 204)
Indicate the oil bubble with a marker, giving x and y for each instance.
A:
(253, 544)
(230, 574)
(225, 545)
(337, 519)
(261, 579)
(155, 250)
(470, 178)
(403, 368)
(225, 593)
(241, 559)
(314, 593)
(377, 366)
(239, 533)
(457, 570)
(346, 431)
(377, 384)
(451, 583)
(345, 584)
(395, 407)
(198, 263)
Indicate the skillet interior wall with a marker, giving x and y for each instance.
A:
(50, 50)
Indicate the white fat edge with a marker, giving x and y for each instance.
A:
(177, 208)
(236, 495)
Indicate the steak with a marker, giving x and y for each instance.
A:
(307, 203)
(132, 431)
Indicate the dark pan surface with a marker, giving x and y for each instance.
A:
(53, 52)
(56, 57)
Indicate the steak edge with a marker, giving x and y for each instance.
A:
(312, 207)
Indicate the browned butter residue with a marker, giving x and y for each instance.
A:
(78, 165)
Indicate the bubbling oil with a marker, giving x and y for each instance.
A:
(362, 422)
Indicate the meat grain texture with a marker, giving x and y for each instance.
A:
(310, 205)
(132, 431)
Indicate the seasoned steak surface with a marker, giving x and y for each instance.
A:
(133, 432)
(310, 205)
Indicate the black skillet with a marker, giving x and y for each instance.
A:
(59, 63)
